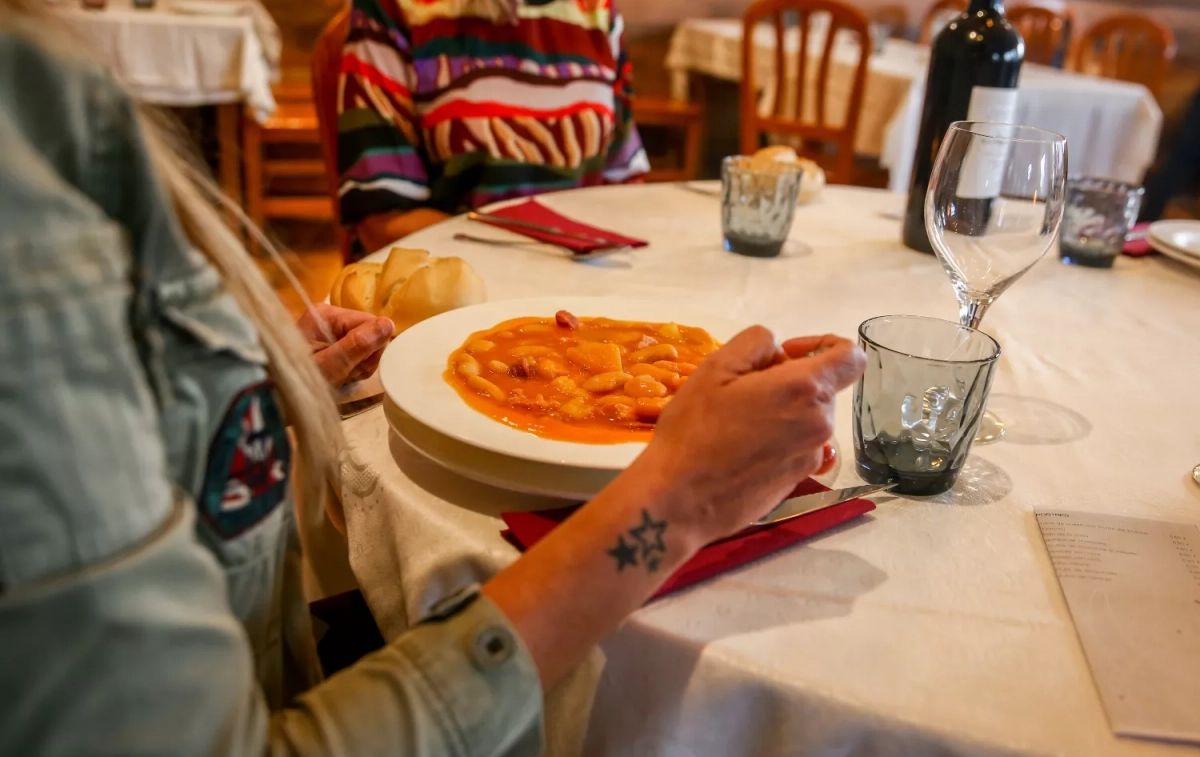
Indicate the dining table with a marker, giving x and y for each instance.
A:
(928, 626)
(1113, 127)
(189, 53)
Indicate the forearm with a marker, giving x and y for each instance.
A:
(379, 231)
(576, 585)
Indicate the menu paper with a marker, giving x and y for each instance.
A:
(1133, 588)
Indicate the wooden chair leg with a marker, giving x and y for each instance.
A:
(252, 149)
(229, 171)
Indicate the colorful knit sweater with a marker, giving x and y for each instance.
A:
(445, 105)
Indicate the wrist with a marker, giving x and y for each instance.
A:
(649, 485)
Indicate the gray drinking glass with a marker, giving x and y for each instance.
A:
(758, 203)
(1098, 216)
(919, 404)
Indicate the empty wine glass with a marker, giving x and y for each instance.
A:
(993, 209)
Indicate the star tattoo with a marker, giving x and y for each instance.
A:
(649, 535)
(625, 554)
(646, 538)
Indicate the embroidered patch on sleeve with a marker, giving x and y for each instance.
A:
(248, 464)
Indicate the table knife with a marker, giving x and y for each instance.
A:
(808, 503)
(515, 223)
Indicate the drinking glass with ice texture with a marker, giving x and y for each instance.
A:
(919, 403)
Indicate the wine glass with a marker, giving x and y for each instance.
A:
(993, 209)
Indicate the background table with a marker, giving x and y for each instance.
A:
(169, 57)
(928, 627)
(1112, 127)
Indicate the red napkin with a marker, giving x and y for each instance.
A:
(533, 211)
(1135, 248)
(525, 529)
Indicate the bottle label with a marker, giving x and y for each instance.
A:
(982, 172)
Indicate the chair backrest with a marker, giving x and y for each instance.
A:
(808, 119)
(326, 71)
(1128, 46)
(1044, 31)
(939, 14)
(895, 17)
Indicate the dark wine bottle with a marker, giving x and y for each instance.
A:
(973, 70)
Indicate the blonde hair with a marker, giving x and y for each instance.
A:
(200, 205)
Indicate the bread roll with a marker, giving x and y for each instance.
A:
(813, 181)
(400, 264)
(444, 284)
(781, 153)
(356, 286)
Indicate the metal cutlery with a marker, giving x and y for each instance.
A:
(360, 406)
(596, 253)
(809, 503)
(516, 223)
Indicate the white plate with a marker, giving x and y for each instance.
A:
(511, 474)
(412, 368)
(500, 471)
(1174, 252)
(1184, 236)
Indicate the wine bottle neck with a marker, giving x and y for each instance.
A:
(996, 6)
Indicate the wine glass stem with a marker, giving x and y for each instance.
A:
(972, 313)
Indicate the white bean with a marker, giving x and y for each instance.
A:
(483, 386)
(467, 366)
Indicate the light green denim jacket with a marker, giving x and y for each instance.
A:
(150, 601)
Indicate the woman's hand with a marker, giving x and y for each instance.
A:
(748, 426)
(351, 348)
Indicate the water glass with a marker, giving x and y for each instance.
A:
(919, 404)
(758, 203)
(1098, 216)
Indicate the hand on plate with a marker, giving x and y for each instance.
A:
(748, 426)
(351, 347)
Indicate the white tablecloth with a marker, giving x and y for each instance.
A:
(1112, 127)
(170, 57)
(928, 627)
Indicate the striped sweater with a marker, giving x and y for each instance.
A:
(442, 104)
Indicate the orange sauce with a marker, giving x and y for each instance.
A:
(590, 380)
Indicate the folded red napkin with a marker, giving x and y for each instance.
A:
(525, 529)
(532, 211)
(1136, 248)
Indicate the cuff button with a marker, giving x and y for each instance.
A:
(493, 646)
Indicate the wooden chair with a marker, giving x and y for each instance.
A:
(1128, 46)
(684, 118)
(293, 127)
(326, 70)
(795, 125)
(895, 17)
(939, 14)
(1044, 31)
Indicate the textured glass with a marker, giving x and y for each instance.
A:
(1098, 216)
(758, 202)
(919, 404)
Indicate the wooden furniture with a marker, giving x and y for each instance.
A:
(684, 118)
(1044, 31)
(938, 15)
(895, 17)
(817, 134)
(1128, 46)
(294, 123)
(326, 69)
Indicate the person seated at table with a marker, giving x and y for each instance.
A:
(449, 105)
(149, 561)
(1181, 169)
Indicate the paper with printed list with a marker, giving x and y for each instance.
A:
(1133, 588)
